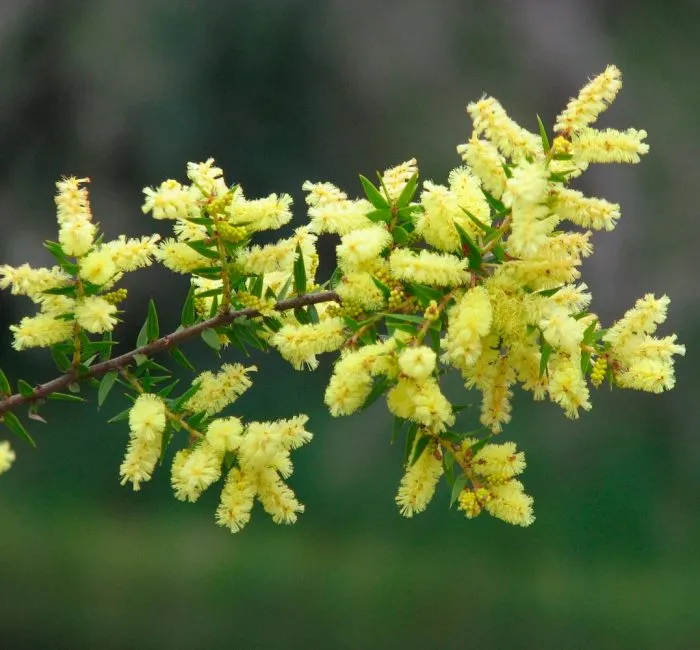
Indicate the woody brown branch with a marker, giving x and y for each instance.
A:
(159, 345)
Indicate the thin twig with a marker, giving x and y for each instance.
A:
(159, 345)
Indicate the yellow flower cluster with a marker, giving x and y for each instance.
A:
(217, 390)
(492, 471)
(261, 453)
(68, 294)
(7, 456)
(147, 421)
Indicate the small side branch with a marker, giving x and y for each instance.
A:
(159, 345)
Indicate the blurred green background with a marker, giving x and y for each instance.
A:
(126, 92)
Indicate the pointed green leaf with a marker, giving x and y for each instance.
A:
(106, 350)
(179, 356)
(401, 235)
(379, 215)
(152, 326)
(106, 384)
(203, 248)
(448, 461)
(471, 249)
(396, 428)
(418, 450)
(546, 351)
(543, 135)
(410, 437)
(188, 313)
(457, 487)
(211, 338)
(5, 388)
(13, 424)
(408, 192)
(373, 194)
(25, 390)
(386, 292)
(65, 397)
(378, 388)
(122, 415)
(299, 272)
(142, 338)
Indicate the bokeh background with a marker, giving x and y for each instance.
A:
(280, 91)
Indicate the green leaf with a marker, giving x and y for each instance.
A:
(122, 415)
(457, 487)
(152, 326)
(590, 332)
(373, 194)
(177, 404)
(210, 292)
(188, 312)
(257, 286)
(424, 293)
(179, 356)
(401, 235)
(396, 428)
(284, 291)
(410, 437)
(543, 134)
(548, 293)
(106, 384)
(471, 249)
(386, 292)
(448, 461)
(164, 392)
(203, 248)
(142, 338)
(313, 313)
(65, 397)
(70, 290)
(106, 349)
(301, 316)
(585, 363)
(488, 230)
(546, 351)
(494, 203)
(211, 338)
(379, 215)
(25, 390)
(5, 388)
(380, 385)
(140, 359)
(421, 444)
(13, 424)
(408, 192)
(299, 272)
(409, 318)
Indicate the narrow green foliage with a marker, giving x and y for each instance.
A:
(299, 272)
(203, 247)
(408, 192)
(386, 292)
(459, 484)
(410, 438)
(5, 388)
(374, 196)
(12, 422)
(25, 390)
(142, 338)
(179, 356)
(106, 384)
(189, 315)
(381, 384)
(211, 338)
(545, 352)
(419, 448)
(66, 397)
(471, 250)
(152, 326)
(543, 135)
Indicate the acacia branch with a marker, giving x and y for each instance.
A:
(159, 345)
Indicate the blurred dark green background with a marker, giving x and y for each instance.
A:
(127, 91)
